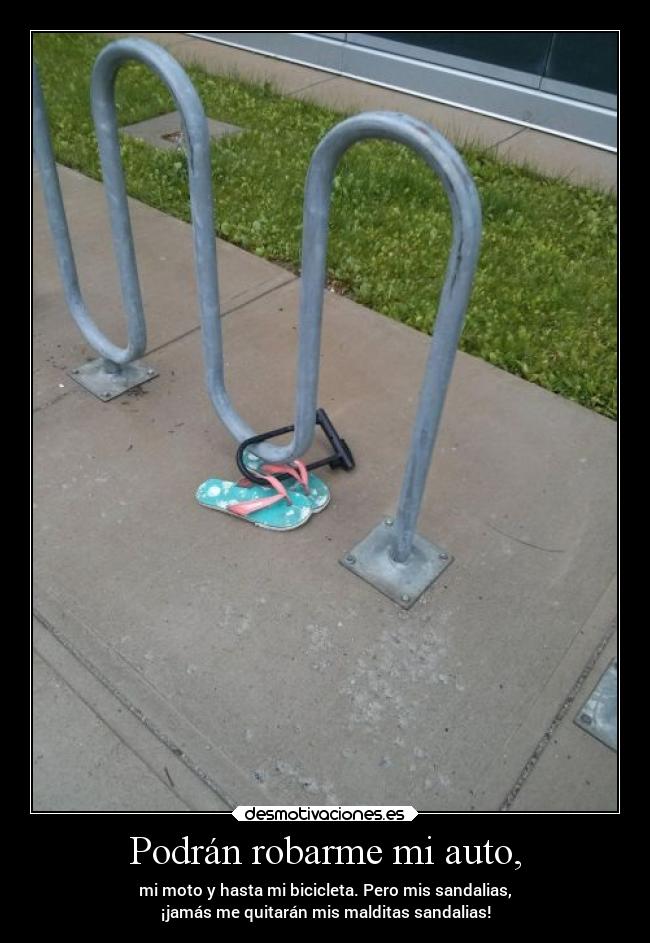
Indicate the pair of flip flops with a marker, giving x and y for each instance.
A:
(278, 505)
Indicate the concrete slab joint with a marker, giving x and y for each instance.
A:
(165, 131)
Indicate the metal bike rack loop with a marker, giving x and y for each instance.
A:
(393, 558)
(118, 369)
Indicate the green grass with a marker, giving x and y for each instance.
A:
(544, 298)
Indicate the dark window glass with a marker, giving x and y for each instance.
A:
(588, 59)
(526, 52)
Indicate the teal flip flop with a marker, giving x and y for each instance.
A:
(276, 506)
(222, 495)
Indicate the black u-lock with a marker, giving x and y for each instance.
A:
(341, 457)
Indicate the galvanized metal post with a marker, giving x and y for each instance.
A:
(197, 144)
(118, 368)
(393, 558)
(101, 376)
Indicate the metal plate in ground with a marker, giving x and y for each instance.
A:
(404, 583)
(165, 131)
(106, 386)
(599, 715)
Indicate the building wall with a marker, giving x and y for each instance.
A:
(561, 82)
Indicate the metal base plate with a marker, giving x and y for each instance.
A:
(404, 583)
(599, 715)
(106, 386)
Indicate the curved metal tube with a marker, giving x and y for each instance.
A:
(465, 205)
(197, 138)
(443, 158)
(137, 334)
(195, 127)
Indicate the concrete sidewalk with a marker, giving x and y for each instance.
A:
(189, 661)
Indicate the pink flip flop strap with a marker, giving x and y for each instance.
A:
(244, 508)
(297, 470)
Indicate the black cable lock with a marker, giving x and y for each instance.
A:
(341, 458)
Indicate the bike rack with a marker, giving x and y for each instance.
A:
(393, 557)
(118, 369)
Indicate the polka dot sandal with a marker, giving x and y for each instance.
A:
(272, 507)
